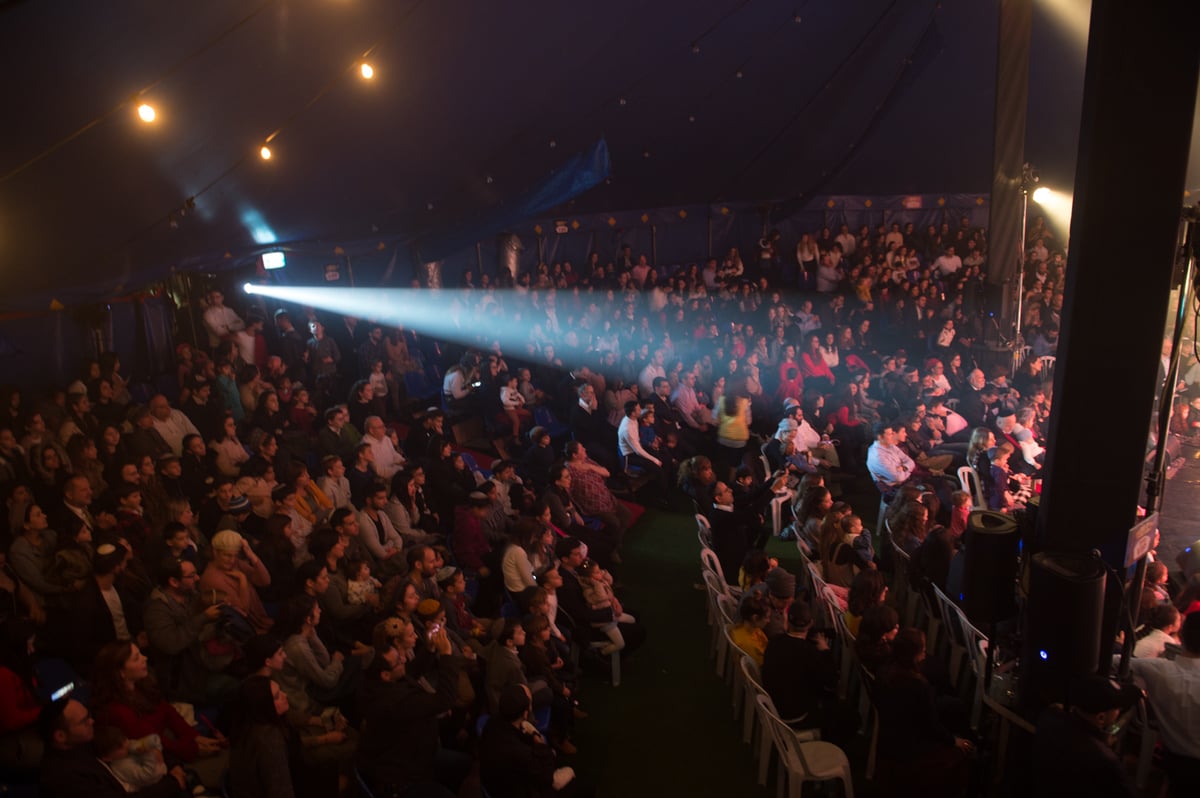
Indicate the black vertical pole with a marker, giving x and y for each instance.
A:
(1127, 203)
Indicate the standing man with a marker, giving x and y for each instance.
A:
(220, 322)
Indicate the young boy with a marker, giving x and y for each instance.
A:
(137, 764)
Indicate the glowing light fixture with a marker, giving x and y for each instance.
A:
(146, 112)
(248, 288)
(367, 71)
(1056, 205)
(265, 153)
(273, 260)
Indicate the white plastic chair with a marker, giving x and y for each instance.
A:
(766, 742)
(806, 761)
(716, 644)
(708, 559)
(780, 501)
(734, 675)
(1047, 362)
(968, 480)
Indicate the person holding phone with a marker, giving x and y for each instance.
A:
(175, 618)
(399, 750)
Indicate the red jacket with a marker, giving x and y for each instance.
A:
(18, 706)
(178, 737)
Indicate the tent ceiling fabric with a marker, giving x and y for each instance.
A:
(464, 91)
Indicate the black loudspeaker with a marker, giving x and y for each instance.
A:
(992, 545)
(1062, 625)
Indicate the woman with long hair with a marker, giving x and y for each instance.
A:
(982, 440)
(125, 695)
(268, 414)
(111, 451)
(867, 590)
(265, 756)
(918, 755)
(50, 472)
(311, 675)
(809, 511)
(910, 526)
(873, 644)
(696, 478)
(230, 452)
(277, 550)
(813, 368)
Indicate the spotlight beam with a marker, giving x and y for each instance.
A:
(441, 314)
(1057, 206)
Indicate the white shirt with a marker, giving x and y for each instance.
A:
(806, 437)
(807, 322)
(1153, 644)
(849, 243)
(175, 429)
(954, 423)
(947, 264)
(245, 345)
(118, 612)
(387, 460)
(628, 442)
(220, 322)
(1174, 690)
(455, 384)
(647, 377)
(684, 399)
(888, 464)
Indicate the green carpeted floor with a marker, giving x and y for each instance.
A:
(669, 728)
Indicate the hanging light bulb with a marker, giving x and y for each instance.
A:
(146, 112)
(367, 71)
(265, 153)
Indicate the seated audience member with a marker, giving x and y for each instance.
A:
(233, 578)
(399, 752)
(378, 535)
(333, 482)
(125, 695)
(878, 628)
(71, 768)
(177, 624)
(1173, 688)
(918, 755)
(887, 464)
(800, 675)
(264, 758)
(868, 589)
(514, 759)
(572, 553)
(1071, 747)
(138, 764)
(747, 633)
(102, 612)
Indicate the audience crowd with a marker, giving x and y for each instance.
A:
(283, 565)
